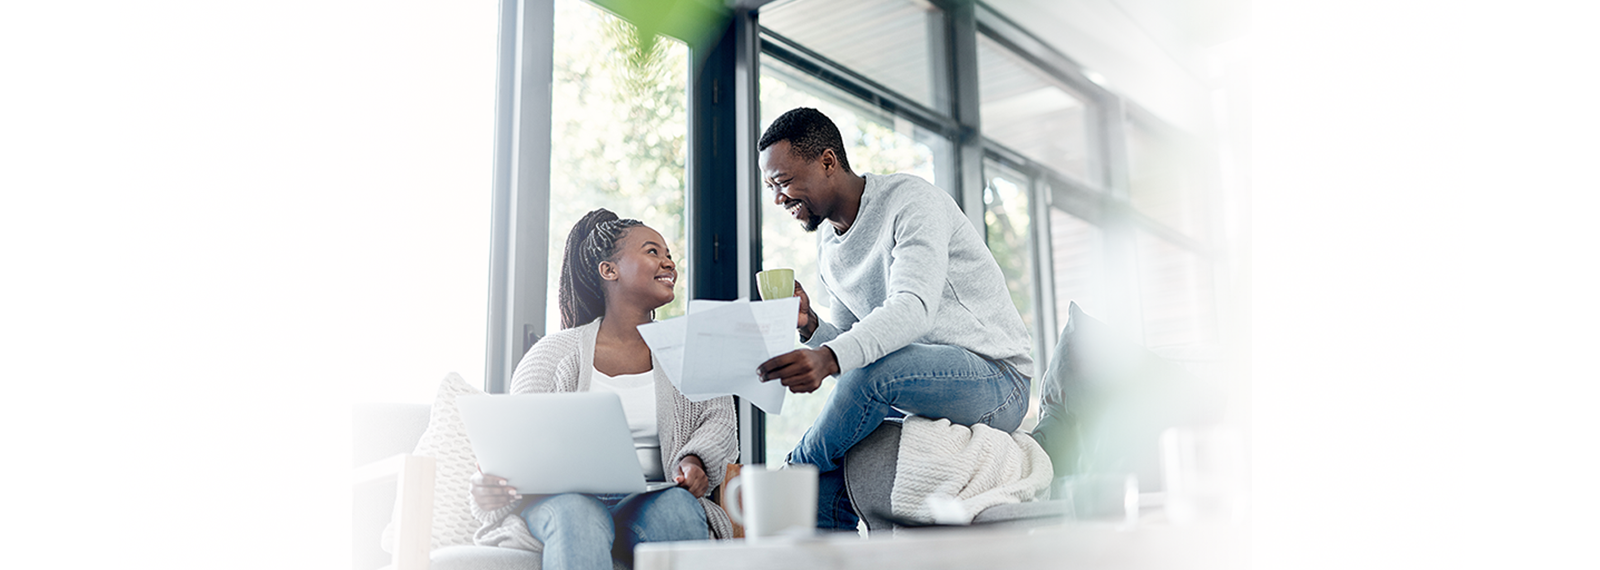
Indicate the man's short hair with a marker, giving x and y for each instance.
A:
(809, 132)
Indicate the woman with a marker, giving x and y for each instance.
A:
(615, 273)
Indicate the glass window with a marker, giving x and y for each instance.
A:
(1031, 113)
(427, 239)
(1176, 293)
(875, 142)
(620, 120)
(1076, 256)
(1162, 182)
(1006, 216)
(899, 44)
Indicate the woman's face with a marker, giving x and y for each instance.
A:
(642, 272)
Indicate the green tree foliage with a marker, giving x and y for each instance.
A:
(1006, 219)
(619, 104)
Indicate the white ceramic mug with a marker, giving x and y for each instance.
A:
(775, 502)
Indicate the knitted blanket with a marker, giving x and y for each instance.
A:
(949, 473)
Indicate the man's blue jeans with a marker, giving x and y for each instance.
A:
(932, 381)
(584, 532)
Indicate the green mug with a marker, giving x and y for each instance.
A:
(775, 284)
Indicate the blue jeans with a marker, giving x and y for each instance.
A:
(586, 531)
(932, 381)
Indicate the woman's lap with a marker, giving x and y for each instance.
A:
(584, 526)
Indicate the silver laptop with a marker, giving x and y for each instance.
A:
(575, 442)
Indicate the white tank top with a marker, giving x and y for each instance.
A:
(638, 393)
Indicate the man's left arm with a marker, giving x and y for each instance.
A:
(918, 271)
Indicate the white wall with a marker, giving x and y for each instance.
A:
(219, 224)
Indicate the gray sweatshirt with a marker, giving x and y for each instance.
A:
(912, 269)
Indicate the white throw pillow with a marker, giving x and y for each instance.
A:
(446, 442)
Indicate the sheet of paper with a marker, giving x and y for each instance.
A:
(666, 340)
(777, 321)
(715, 349)
(698, 305)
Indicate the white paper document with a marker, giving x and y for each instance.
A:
(714, 350)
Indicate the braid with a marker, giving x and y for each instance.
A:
(592, 240)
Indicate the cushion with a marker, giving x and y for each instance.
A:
(446, 442)
(869, 469)
(1106, 400)
(491, 558)
(483, 558)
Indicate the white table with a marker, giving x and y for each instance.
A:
(1078, 546)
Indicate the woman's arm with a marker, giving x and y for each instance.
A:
(713, 438)
(691, 474)
(549, 365)
(545, 368)
(491, 492)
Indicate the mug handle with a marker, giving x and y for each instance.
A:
(735, 500)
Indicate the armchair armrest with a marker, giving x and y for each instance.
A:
(414, 498)
(723, 500)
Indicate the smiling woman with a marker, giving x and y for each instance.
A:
(614, 274)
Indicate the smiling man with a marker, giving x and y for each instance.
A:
(922, 322)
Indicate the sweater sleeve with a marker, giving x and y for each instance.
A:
(549, 365)
(827, 331)
(918, 267)
(713, 438)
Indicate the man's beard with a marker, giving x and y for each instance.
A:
(812, 223)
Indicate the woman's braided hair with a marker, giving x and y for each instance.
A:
(592, 240)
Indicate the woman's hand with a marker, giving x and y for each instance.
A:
(491, 492)
(691, 475)
(807, 322)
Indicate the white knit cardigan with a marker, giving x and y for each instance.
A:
(563, 362)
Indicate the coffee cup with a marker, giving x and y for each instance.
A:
(772, 503)
(775, 284)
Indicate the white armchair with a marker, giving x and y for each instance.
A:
(414, 496)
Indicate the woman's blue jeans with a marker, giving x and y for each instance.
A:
(932, 381)
(584, 532)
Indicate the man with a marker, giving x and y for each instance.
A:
(922, 321)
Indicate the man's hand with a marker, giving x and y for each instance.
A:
(491, 492)
(801, 370)
(691, 475)
(807, 323)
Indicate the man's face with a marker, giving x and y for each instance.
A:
(799, 186)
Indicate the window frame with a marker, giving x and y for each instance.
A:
(724, 122)
(874, 95)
